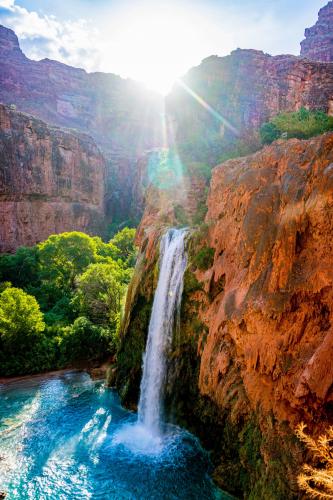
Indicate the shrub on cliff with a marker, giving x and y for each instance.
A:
(203, 260)
(301, 124)
(317, 481)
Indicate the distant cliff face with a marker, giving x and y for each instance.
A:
(50, 181)
(245, 88)
(121, 115)
(318, 42)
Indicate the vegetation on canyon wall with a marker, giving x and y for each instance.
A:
(61, 301)
(301, 124)
(317, 481)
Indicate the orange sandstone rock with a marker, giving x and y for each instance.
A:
(271, 225)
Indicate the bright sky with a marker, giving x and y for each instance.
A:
(154, 41)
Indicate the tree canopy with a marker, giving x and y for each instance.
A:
(61, 294)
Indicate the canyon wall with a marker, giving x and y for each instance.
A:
(121, 115)
(318, 42)
(126, 120)
(253, 354)
(50, 181)
(243, 90)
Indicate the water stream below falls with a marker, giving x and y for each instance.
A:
(67, 437)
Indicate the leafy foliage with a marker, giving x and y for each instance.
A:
(63, 256)
(20, 268)
(317, 481)
(61, 300)
(21, 320)
(86, 341)
(123, 241)
(100, 290)
(301, 124)
(269, 133)
(204, 258)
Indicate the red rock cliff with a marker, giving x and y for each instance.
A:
(254, 350)
(246, 89)
(50, 181)
(318, 42)
(121, 115)
(270, 224)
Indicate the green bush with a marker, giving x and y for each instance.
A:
(204, 259)
(269, 133)
(301, 124)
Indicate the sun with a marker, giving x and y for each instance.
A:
(155, 45)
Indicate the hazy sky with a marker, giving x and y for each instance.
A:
(154, 41)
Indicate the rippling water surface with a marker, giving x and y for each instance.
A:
(67, 437)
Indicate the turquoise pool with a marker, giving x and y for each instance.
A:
(67, 437)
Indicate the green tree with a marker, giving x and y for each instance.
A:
(21, 321)
(101, 289)
(124, 242)
(64, 256)
(105, 251)
(85, 341)
(21, 268)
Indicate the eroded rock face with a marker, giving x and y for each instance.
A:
(50, 181)
(318, 42)
(270, 218)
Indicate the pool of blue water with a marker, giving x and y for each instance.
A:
(67, 437)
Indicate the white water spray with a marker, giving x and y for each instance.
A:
(165, 313)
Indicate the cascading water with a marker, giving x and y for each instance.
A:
(165, 312)
(147, 435)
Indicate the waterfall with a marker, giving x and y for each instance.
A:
(165, 313)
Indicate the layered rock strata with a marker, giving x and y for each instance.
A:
(50, 181)
(121, 115)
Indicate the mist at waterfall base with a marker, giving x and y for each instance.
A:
(67, 437)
